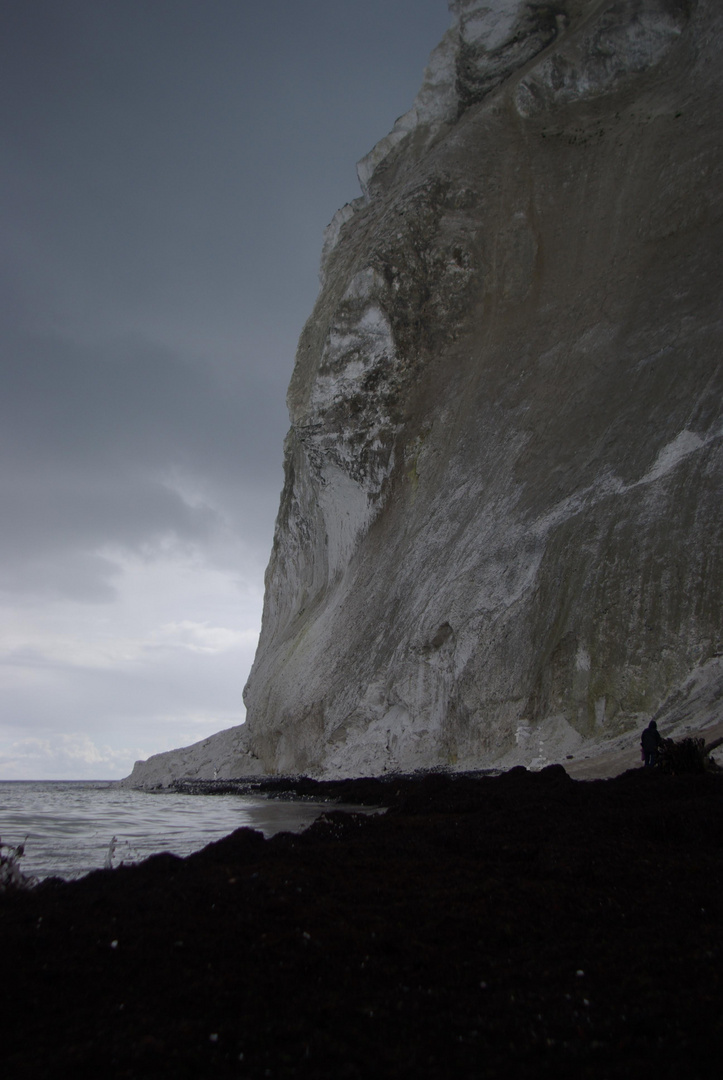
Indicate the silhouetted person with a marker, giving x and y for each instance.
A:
(650, 741)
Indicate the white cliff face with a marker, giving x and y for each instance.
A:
(499, 539)
(608, 50)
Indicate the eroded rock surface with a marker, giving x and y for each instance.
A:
(499, 538)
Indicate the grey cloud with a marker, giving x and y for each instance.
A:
(65, 404)
(66, 575)
(91, 446)
(199, 683)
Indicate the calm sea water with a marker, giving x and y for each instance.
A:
(70, 824)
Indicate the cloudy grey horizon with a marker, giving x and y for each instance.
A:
(168, 169)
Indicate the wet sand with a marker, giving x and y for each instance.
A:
(524, 925)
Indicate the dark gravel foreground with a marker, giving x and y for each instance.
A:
(524, 925)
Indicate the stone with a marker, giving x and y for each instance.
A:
(499, 539)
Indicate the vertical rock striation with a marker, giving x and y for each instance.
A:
(499, 537)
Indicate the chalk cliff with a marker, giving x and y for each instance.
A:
(499, 538)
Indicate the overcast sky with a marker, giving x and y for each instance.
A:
(166, 171)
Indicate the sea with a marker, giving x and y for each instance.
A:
(70, 827)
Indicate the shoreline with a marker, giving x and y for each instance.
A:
(621, 755)
(592, 761)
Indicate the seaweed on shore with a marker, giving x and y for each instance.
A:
(517, 925)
